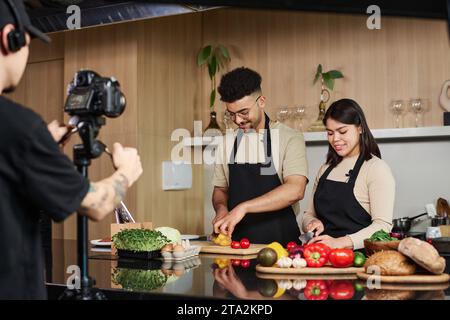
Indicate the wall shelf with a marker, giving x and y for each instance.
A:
(198, 142)
(422, 133)
(411, 134)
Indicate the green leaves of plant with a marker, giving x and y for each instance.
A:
(215, 58)
(329, 82)
(203, 55)
(212, 67)
(328, 77)
(318, 73)
(225, 52)
(334, 74)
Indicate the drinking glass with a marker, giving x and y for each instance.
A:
(418, 107)
(283, 114)
(299, 115)
(397, 107)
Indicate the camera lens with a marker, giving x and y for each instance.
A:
(122, 101)
(81, 79)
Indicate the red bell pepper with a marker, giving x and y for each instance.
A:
(316, 290)
(342, 290)
(341, 258)
(316, 254)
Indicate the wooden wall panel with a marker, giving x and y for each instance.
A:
(169, 97)
(407, 58)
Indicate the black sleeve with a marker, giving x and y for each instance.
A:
(51, 180)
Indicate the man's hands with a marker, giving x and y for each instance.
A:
(220, 215)
(227, 224)
(127, 161)
(58, 130)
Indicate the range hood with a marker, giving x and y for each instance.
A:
(51, 16)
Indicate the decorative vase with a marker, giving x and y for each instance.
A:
(318, 124)
(213, 128)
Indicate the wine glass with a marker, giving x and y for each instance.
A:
(418, 106)
(397, 107)
(299, 114)
(283, 114)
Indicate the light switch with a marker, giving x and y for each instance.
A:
(176, 176)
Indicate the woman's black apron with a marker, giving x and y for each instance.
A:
(246, 182)
(337, 207)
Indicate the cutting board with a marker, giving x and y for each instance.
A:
(210, 247)
(322, 270)
(415, 278)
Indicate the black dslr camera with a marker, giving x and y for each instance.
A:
(89, 94)
(91, 98)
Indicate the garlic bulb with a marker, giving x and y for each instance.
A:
(299, 263)
(285, 284)
(299, 284)
(284, 262)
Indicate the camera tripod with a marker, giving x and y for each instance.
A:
(82, 157)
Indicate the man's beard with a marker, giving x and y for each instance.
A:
(10, 89)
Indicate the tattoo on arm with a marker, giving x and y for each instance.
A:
(120, 186)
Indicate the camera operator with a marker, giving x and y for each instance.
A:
(35, 175)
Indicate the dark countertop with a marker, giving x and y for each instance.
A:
(210, 277)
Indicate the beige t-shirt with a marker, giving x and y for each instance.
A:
(288, 153)
(374, 190)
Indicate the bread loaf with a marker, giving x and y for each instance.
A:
(391, 263)
(422, 253)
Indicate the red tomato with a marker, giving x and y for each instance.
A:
(245, 263)
(235, 245)
(236, 262)
(245, 243)
(342, 290)
(341, 258)
(291, 245)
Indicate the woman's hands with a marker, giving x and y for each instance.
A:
(315, 226)
(342, 242)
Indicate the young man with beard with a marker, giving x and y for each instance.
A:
(262, 174)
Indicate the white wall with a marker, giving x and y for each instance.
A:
(421, 170)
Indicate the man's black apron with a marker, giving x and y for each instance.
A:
(246, 182)
(336, 205)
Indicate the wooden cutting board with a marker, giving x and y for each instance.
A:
(415, 278)
(322, 270)
(210, 247)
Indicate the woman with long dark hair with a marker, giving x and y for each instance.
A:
(354, 190)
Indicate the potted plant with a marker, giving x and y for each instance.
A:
(215, 57)
(327, 80)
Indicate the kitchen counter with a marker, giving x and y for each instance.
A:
(210, 277)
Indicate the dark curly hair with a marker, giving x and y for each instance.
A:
(239, 83)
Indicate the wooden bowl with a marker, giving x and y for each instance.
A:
(374, 246)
